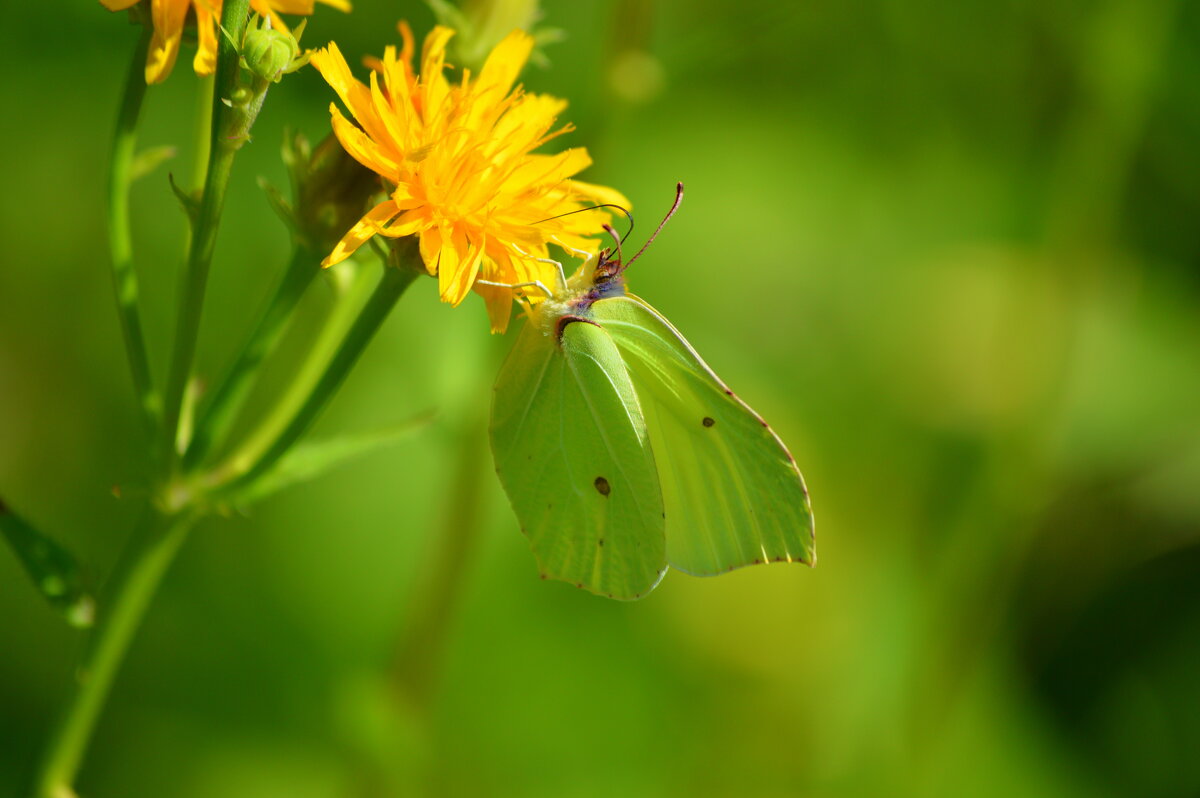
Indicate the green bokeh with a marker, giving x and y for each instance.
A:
(950, 251)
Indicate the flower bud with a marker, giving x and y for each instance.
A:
(269, 54)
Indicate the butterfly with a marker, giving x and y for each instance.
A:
(622, 452)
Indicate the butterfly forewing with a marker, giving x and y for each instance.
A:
(573, 454)
(732, 493)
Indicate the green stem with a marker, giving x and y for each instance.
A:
(214, 424)
(205, 87)
(289, 401)
(204, 233)
(130, 588)
(120, 243)
(251, 465)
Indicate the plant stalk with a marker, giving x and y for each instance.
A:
(204, 233)
(120, 240)
(218, 416)
(370, 318)
(132, 585)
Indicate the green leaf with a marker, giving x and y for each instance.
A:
(52, 568)
(310, 460)
(150, 159)
(279, 204)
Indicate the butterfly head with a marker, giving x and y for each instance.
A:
(606, 276)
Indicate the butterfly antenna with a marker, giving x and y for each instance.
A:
(608, 228)
(622, 209)
(662, 224)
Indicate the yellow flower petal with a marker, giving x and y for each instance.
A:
(365, 228)
(499, 303)
(505, 62)
(168, 17)
(468, 256)
(600, 195)
(205, 61)
(301, 7)
(333, 67)
(404, 225)
(361, 146)
(431, 248)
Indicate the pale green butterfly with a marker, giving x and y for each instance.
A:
(622, 452)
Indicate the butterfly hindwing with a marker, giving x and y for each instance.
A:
(574, 456)
(732, 493)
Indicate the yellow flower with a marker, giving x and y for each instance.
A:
(168, 17)
(459, 166)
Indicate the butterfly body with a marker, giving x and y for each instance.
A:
(621, 451)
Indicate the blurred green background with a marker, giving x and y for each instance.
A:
(950, 251)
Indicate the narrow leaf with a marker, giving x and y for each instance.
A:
(150, 159)
(191, 205)
(310, 460)
(278, 204)
(52, 568)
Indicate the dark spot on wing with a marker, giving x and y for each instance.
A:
(708, 421)
(600, 542)
(602, 485)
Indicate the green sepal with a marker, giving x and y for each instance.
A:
(53, 569)
(310, 460)
(150, 159)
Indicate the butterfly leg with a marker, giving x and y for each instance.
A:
(538, 284)
(562, 275)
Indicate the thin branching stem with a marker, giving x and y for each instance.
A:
(120, 240)
(133, 583)
(204, 233)
(370, 318)
(227, 397)
(169, 516)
